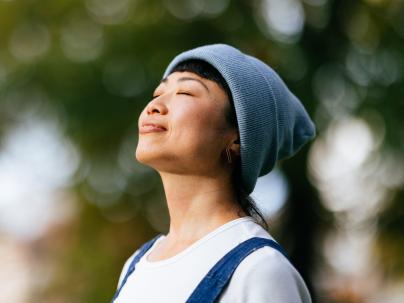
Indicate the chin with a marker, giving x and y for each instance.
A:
(140, 155)
(146, 156)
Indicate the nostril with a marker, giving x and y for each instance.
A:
(153, 110)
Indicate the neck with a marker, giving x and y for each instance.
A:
(198, 205)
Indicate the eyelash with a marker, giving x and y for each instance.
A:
(185, 93)
(180, 93)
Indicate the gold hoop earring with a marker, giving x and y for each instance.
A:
(228, 155)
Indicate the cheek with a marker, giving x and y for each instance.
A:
(203, 125)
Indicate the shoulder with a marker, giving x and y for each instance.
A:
(143, 248)
(266, 275)
(126, 266)
(267, 263)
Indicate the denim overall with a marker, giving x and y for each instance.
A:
(211, 286)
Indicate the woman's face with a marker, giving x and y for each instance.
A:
(193, 132)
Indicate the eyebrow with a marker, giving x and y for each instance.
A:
(187, 79)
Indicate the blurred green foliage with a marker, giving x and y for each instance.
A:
(96, 63)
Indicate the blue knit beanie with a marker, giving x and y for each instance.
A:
(272, 122)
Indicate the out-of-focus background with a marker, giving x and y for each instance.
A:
(74, 76)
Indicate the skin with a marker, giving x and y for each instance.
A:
(190, 158)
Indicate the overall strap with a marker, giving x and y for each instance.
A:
(209, 289)
(142, 250)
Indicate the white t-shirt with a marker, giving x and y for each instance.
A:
(265, 275)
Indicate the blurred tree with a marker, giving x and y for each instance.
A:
(97, 63)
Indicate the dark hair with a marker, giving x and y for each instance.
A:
(207, 71)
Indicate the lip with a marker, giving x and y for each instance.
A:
(151, 128)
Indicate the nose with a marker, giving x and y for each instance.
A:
(156, 107)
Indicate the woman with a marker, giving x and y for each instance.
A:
(218, 120)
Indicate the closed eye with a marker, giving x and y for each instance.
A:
(179, 93)
(184, 93)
